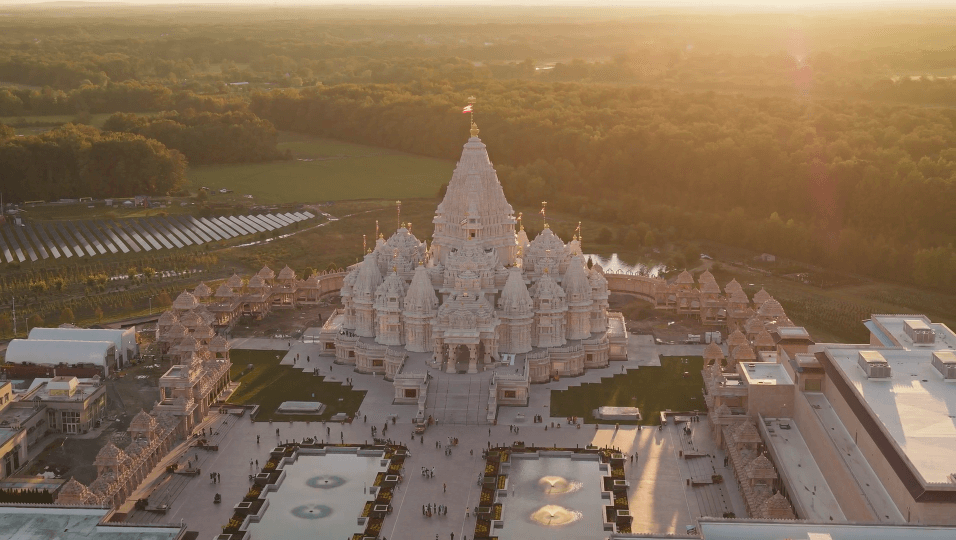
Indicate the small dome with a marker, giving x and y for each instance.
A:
(771, 309)
(575, 282)
(764, 339)
(713, 352)
(110, 455)
(234, 281)
(709, 287)
(753, 325)
(218, 344)
(185, 301)
(545, 289)
(743, 353)
(73, 492)
(191, 320)
(368, 280)
(515, 299)
(777, 507)
(203, 331)
(707, 277)
(421, 298)
(167, 318)
(761, 467)
(266, 273)
(286, 273)
(733, 287)
(761, 296)
(392, 288)
(736, 338)
(746, 433)
(685, 278)
(224, 291)
(176, 331)
(257, 282)
(202, 291)
(143, 421)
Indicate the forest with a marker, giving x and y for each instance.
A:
(825, 138)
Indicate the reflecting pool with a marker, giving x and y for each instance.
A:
(553, 497)
(320, 497)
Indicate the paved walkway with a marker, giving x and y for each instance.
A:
(659, 498)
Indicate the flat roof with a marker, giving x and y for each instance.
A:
(75, 523)
(764, 373)
(915, 405)
(783, 530)
(807, 484)
(793, 332)
(893, 328)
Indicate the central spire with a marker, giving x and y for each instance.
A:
(475, 208)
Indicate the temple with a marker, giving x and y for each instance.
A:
(480, 293)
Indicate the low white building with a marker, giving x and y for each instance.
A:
(124, 340)
(48, 352)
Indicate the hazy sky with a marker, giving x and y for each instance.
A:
(789, 5)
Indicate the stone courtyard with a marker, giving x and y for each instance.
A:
(660, 498)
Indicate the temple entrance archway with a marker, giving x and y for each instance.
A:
(461, 356)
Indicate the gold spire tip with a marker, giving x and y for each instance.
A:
(474, 129)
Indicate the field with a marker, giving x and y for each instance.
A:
(32, 125)
(675, 385)
(269, 384)
(327, 170)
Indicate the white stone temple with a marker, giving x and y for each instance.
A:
(480, 291)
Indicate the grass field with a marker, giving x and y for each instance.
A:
(327, 170)
(269, 384)
(675, 385)
(97, 121)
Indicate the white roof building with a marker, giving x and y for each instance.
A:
(123, 340)
(54, 352)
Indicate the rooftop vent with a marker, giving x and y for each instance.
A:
(920, 332)
(945, 363)
(874, 365)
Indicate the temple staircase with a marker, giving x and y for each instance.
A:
(458, 399)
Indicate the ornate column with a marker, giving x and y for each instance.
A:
(473, 359)
(451, 358)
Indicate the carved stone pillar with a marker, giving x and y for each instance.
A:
(473, 359)
(452, 359)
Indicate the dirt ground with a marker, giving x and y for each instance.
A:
(281, 323)
(642, 318)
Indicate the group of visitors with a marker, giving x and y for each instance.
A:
(428, 473)
(214, 476)
(431, 508)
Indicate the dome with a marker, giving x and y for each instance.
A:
(286, 273)
(224, 291)
(545, 241)
(707, 277)
(761, 467)
(739, 297)
(185, 301)
(685, 278)
(515, 299)
(257, 282)
(746, 433)
(135, 448)
(736, 338)
(142, 422)
(234, 281)
(575, 283)
(191, 320)
(167, 318)
(753, 325)
(713, 352)
(110, 455)
(101, 485)
(761, 296)
(176, 331)
(421, 298)
(546, 289)
(402, 252)
(771, 309)
(733, 286)
(202, 291)
(368, 280)
(393, 288)
(266, 273)
(598, 282)
(73, 492)
(203, 331)
(218, 344)
(764, 339)
(522, 238)
(777, 507)
(743, 353)
(709, 287)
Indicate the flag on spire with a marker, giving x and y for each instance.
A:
(467, 109)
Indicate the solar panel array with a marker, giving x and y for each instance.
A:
(66, 239)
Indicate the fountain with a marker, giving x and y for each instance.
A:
(556, 485)
(329, 489)
(553, 492)
(553, 515)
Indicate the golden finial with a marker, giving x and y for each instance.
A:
(394, 268)
(382, 236)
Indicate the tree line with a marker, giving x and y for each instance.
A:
(206, 137)
(859, 186)
(81, 161)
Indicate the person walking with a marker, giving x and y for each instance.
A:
(444, 488)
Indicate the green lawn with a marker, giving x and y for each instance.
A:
(269, 384)
(652, 389)
(334, 171)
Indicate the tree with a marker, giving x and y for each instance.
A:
(35, 320)
(163, 299)
(604, 236)
(6, 325)
(98, 313)
(66, 316)
(649, 239)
